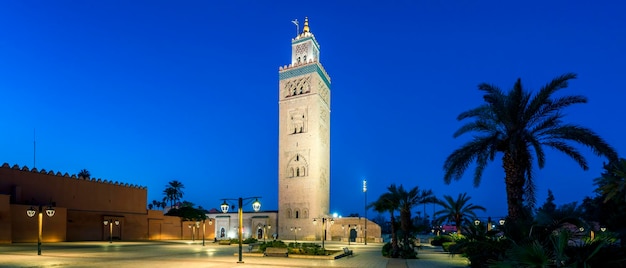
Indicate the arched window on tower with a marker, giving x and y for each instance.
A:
(305, 214)
(304, 58)
(289, 213)
(297, 214)
(303, 171)
(291, 173)
(297, 172)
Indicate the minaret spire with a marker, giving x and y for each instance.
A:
(306, 25)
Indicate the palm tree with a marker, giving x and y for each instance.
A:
(408, 200)
(84, 173)
(612, 183)
(173, 192)
(169, 196)
(156, 204)
(175, 188)
(459, 210)
(389, 202)
(519, 126)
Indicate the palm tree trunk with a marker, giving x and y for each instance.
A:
(394, 237)
(514, 181)
(404, 225)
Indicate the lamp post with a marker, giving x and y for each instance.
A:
(325, 226)
(203, 230)
(30, 212)
(365, 229)
(295, 235)
(110, 224)
(343, 229)
(210, 224)
(256, 206)
(265, 227)
(193, 228)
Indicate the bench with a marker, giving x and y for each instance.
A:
(347, 252)
(278, 252)
(224, 242)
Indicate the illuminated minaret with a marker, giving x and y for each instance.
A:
(303, 140)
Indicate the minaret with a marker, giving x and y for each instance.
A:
(303, 141)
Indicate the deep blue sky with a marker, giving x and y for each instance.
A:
(146, 92)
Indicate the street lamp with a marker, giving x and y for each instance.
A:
(365, 193)
(325, 226)
(110, 224)
(344, 233)
(476, 222)
(193, 228)
(30, 212)
(256, 206)
(295, 235)
(502, 222)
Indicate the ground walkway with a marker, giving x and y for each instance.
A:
(192, 254)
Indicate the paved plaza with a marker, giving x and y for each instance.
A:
(188, 254)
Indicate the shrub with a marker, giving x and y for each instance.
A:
(250, 240)
(272, 244)
(446, 246)
(386, 251)
(438, 240)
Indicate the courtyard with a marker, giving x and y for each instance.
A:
(192, 254)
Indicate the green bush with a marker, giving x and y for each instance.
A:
(440, 239)
(386, 251)
(272, 244)
(250, 240)
(446, 246)
(306, 249)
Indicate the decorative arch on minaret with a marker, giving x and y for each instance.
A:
(297, 167)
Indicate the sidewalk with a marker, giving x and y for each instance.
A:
(167, 254)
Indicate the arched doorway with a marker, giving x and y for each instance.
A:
(352, 235)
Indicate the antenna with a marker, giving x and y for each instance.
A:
(34, 149)
(297, 26)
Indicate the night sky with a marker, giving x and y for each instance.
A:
(145, 92)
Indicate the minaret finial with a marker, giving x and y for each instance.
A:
(306, 25)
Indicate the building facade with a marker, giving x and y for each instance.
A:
(81, 206)
(303, 140)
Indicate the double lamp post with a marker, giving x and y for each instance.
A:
(256, 206)
(31, 213)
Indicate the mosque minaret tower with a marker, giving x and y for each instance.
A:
(303, 141)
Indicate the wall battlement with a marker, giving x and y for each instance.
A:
(67, 175)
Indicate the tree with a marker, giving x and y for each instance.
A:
(169, 196)
(407, 201)
(519, 126)
(389, 202)
(188, 213)
(458, 211)
(548, 206)
(612, 183)
(173, 192)
(84, 173)
(157, 204)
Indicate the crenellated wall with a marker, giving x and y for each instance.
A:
(81, 206)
